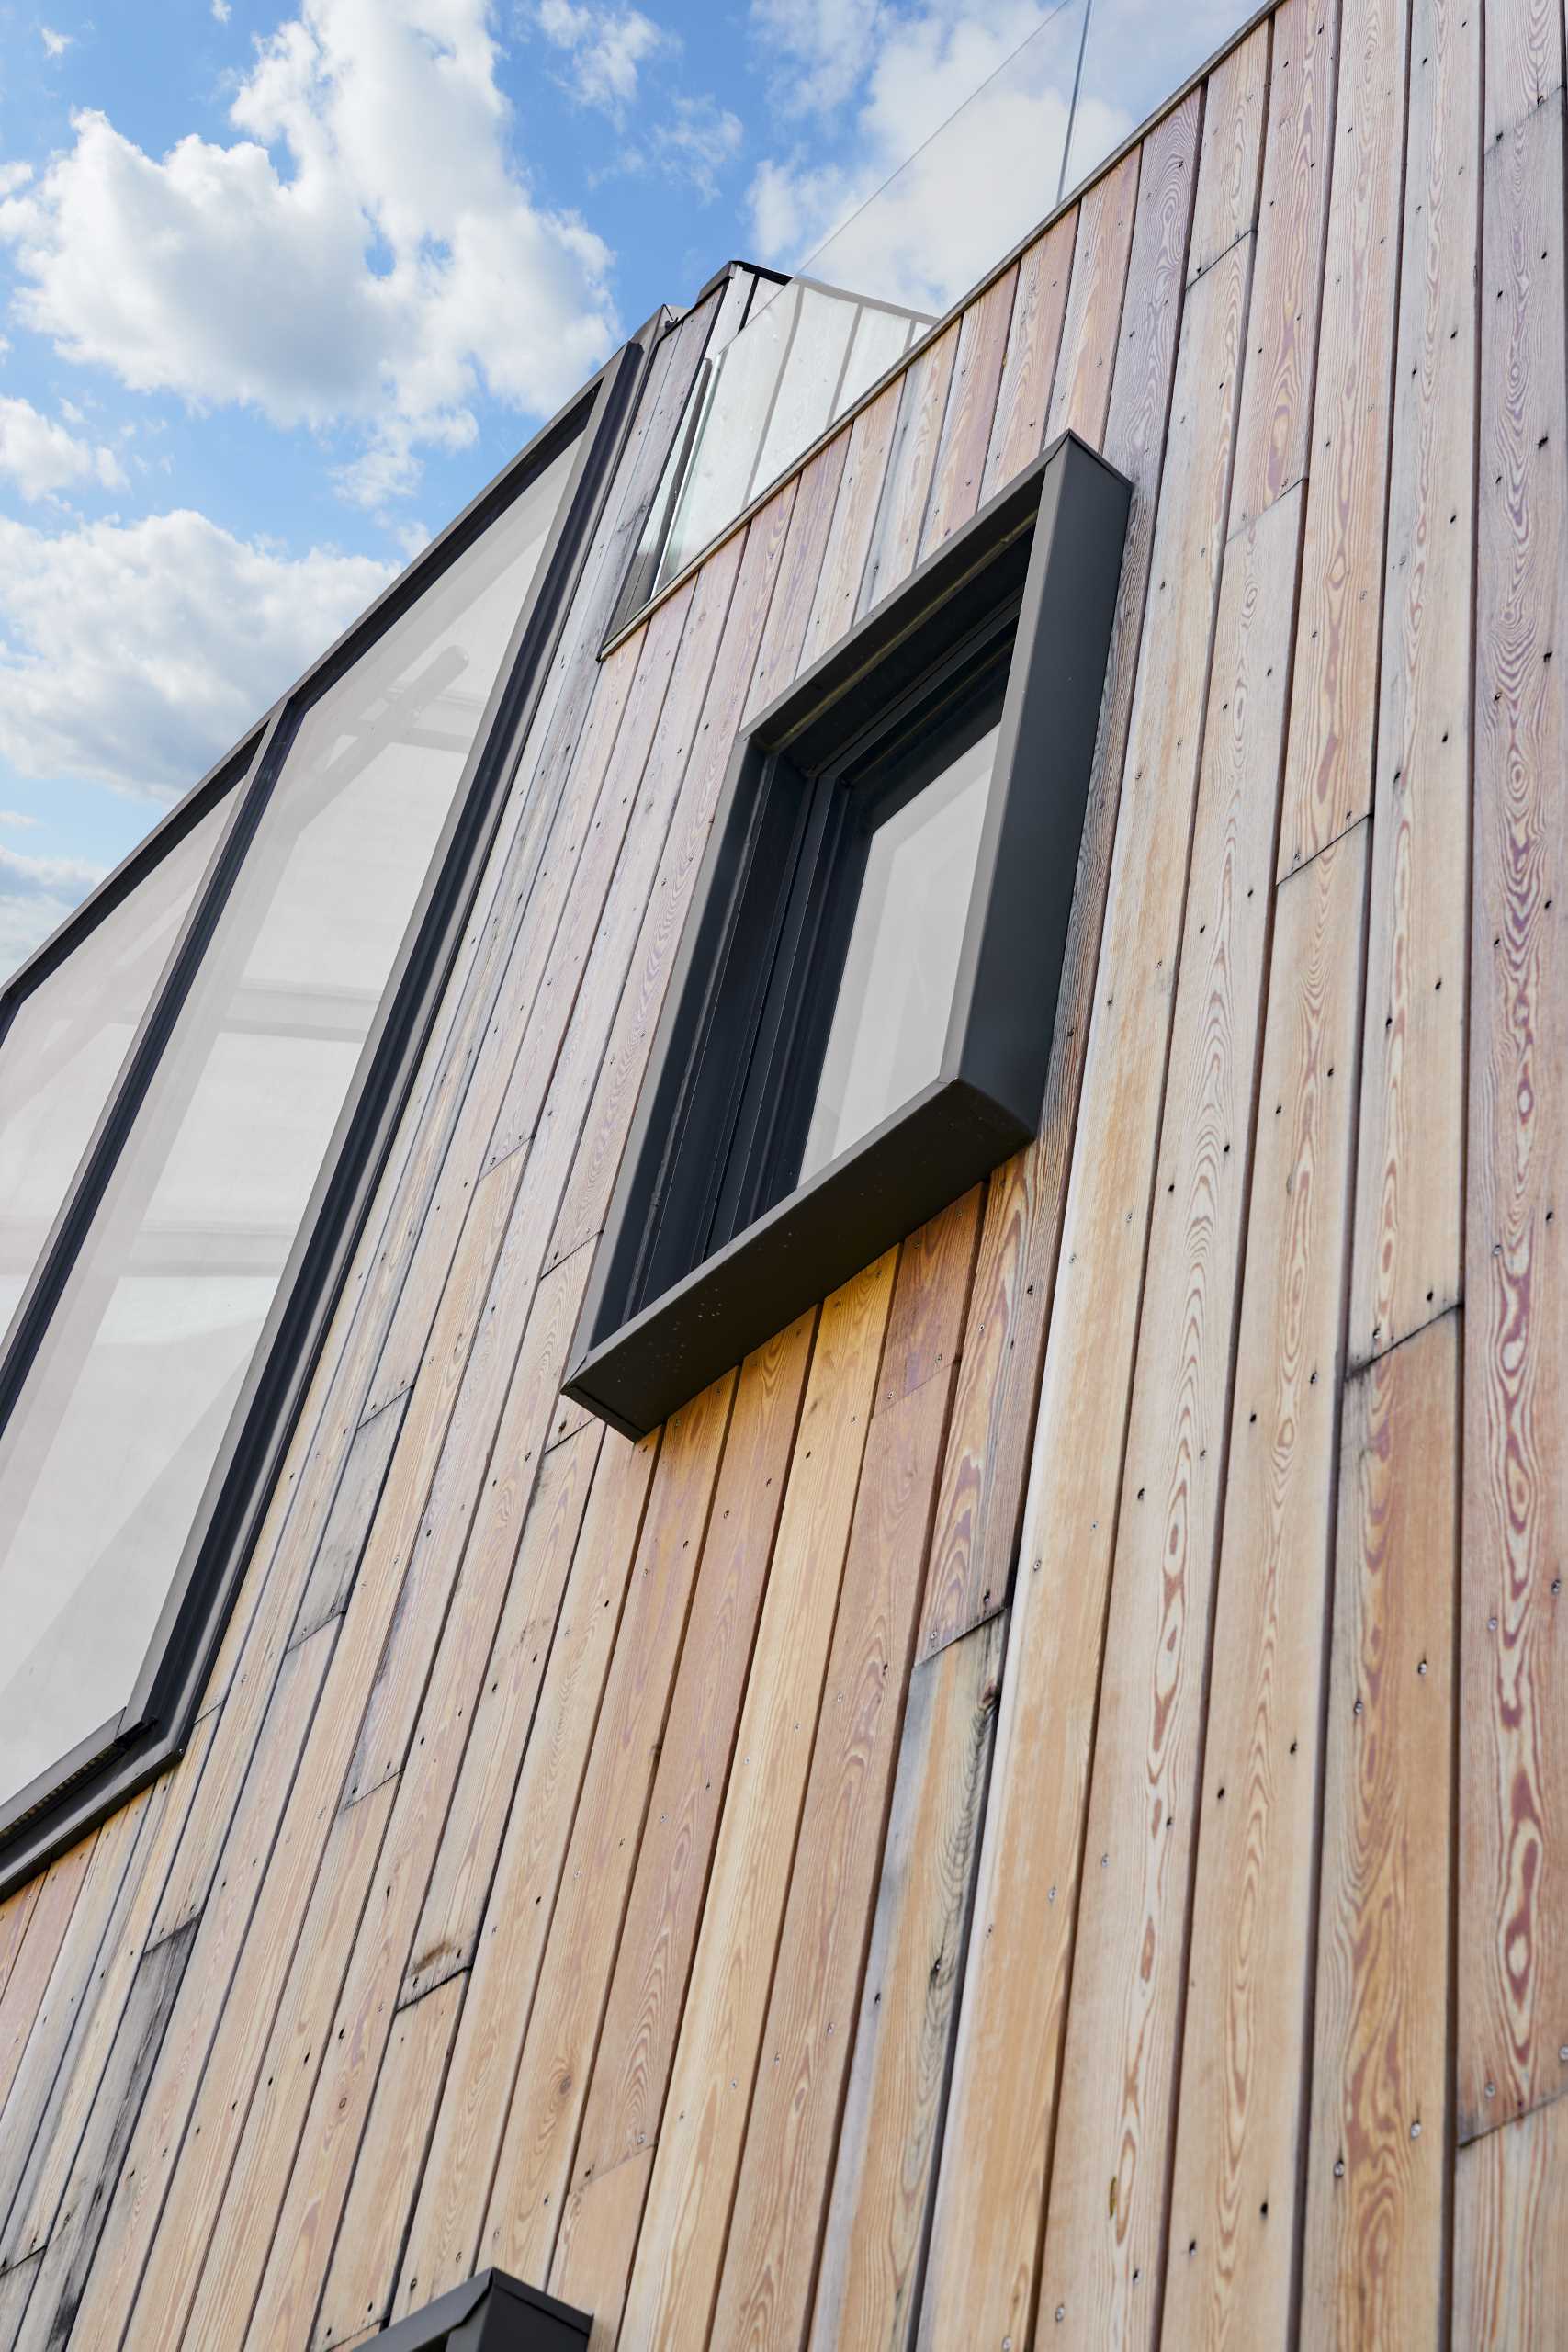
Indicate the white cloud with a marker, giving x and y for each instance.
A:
(16, 820)
(949, 207)
(36, 896)
(55, 44)
(989, 88)
(607, 48)
(41, 457)
(694, 141)
(364, 251)
(13, 177)
(133, 653)
(223, 11)
(821, 49)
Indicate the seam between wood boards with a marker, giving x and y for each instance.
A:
(545, 1271)
(765, 2005)
(650, 2146)
(854, 2003)
(1053, 2114)
(275, 1565)
(466, 1970)
(570, 2166)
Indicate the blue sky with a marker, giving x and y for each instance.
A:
(280, 287)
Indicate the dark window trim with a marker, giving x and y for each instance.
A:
(1051, 544)
(38, 1822)
(490, 2312)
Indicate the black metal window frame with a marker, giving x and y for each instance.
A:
(97, 1775)
(700, 1259)
(490, 2312)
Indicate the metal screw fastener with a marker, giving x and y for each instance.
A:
(1415, 2130)
(1338, 2167)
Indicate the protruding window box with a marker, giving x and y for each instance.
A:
(859, 1025)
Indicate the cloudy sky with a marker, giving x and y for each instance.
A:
(279, 291)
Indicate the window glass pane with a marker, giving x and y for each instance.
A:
(890, 1021)
(63, 1049)
(104, 1464)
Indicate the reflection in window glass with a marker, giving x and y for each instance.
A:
(63, 1049)
(890, 1020)
(104, 1464)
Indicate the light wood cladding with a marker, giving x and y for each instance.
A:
(1034, 1811)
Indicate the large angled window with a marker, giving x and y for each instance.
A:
(148, 1312)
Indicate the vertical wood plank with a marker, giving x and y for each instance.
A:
(1282, 361)
(1080, 396)
(499, 1931)
(359, 2286)
(1374, 2261)
(880, 2200)
(1234, 106)
(1028, 369)
(855, 517)
(1513, 1962)
(1240, 2128)
(1103, 2250)
(1329, 769)
(1410, 1174)
(675, 2273)
(637, 2044)
(82, 2071)
(29, 1980)
(976, 1540)
(1510, 2248)
(534, 2166)
(905, 486)
(971, 410)
(984, 2268)
(766, 2290)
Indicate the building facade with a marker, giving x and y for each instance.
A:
(1021, 1808)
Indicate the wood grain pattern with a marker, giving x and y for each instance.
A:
(1329, 770)
(82, 2068)
(534, 2167)
(1235, 107)
(766, 2290)
(1272, 445)
(886, 2163)
(809, 1979)
(1240, 2131)
(1513, 1963)
(636, 2043)
(1028, 367)
(1407, 1267)
(226, 1956)
(67, 1993)
(854, 518)
(905, 486)
(675, 2274)
(1374, 2256)
(1080, 397)
(1104, 2245)
(990, 2195)
(385, 2174)
(506, 1958)
(974, 1545)
(455, 1899)
(16, 1914)
(29, 1980)
(971, 409)
(1510, 2248)
(599, 2232)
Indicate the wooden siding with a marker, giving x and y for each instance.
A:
(1035, 1810)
